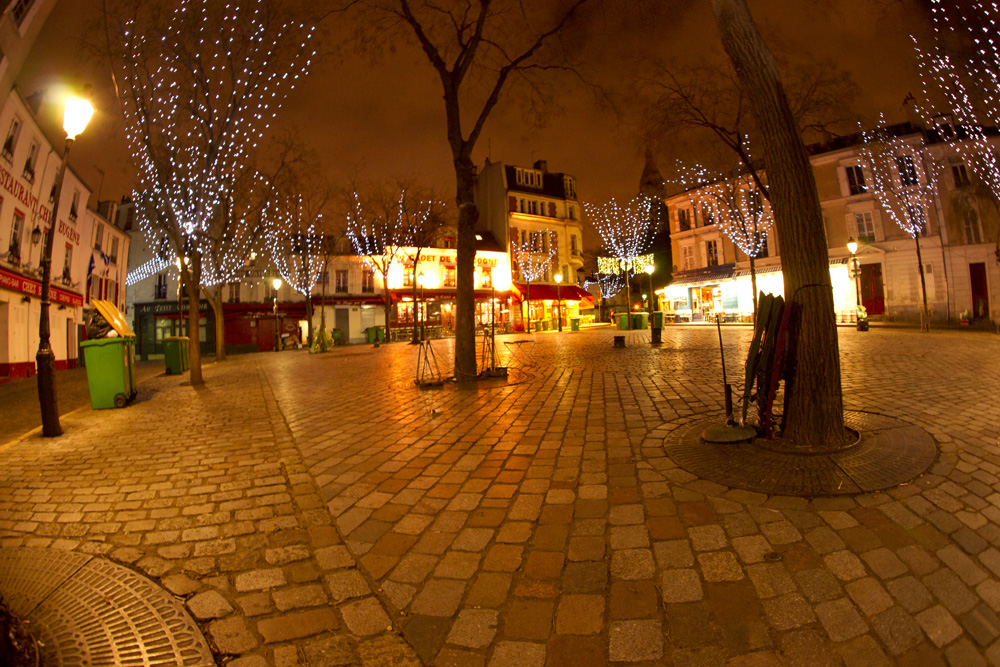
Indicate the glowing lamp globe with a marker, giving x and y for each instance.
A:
(852, 245)
(558, 277)
(277, 283)
(650, 268)
(77, 115)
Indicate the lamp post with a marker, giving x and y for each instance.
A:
(276, 283)
(419, 306)
(558, 277)
(852, 247)
(628, 294)
(75, 119)
(649, 270)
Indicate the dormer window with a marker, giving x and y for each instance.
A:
(569, 185)
(528, 177)
(11, 142)
(29, 164)
(98, 237)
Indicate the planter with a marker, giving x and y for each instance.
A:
(862, 325)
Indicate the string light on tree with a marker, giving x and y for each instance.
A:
(532, 255)
(904, 180)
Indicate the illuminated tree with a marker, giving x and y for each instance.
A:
(736, 205)
(477, 50)
(533, 254)
(904, 179)
(425, 220)
(199, 84)
(626, 233)
(381, 226)
(299, 246)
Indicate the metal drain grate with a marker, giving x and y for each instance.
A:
(103, 614)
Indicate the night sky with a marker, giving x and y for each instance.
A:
(384, 119)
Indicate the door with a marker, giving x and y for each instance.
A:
(980, 292)
(872, 292)
(342, 317)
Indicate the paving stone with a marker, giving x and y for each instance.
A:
(770, 579)
(963, 654)
(629, 537)
(897, 630)
(780, 532)
(720, 566)
(346, 584)
(635, 641)
(457, 565)
(818, 585)
(528, 619)
(490, 589)
(788, 612)
(940, 626)
(426, 634)
(576, 651)
(586, 548)
(584, 577)
(981, 624)
(862, 651)
(330, 558)
(299, 596)
(673, 553)
(844, 565)
(807, 647)
(632, 564)
(518, 654)
(580, 614)
(963, 566)
(950, 590)
(259, 580)
(707, 538)
(232, 635)
(869, 595)
(365, 617)
(209, 604)
(681, 586)
(840, 619)
(474, 628)
(884, 563)
(439, 597)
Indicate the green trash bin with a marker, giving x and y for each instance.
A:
(640, 320)
(176, 354)
(375, 334)
(658, 319)
(109, 376)
(574, 324)
(623, 321)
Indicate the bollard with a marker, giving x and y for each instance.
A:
(619, 341)
(656, 335)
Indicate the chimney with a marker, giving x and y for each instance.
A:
(913, 112)
(542, 166)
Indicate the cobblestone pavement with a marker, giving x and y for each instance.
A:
(321, 510)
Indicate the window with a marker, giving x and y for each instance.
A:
(865, 227)
(712, 253)
(234, 292)
(75, 206)
(407, 276)
(341, 281)
(960, 175)
(98, 237)
(67, 263)
(367, 279)
(569, 184)
(11, 142)
(113, 255)
(856, 180)
(761, 245)
(29, 164)
(683, 220)
(449, 276)
(533, 207)
(687, 257)
(572, 213)
(16, 231)
(572, 245)
(970, 221)
(907, 170)
(160, 289)
(486, 279)
(708, 215)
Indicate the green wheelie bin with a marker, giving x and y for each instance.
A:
(658, 319)
(176, 354)
(640, 320)
(110, 372)
(623, 321)
(574, 324)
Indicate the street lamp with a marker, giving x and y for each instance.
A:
(558, 278)
(420, 308)
(276, 283)
(75, 119)
(852, 247)
(649, 270)
(628, 294)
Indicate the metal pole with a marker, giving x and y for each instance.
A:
(857, 284)
(45, 358)
(651, 295)
(277, 337)
(559, 304)
(422, 311)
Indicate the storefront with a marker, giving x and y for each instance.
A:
(156, 321)
(542, 304)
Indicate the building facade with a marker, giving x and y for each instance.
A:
(82, 265)
(958, 246)
(536, 216)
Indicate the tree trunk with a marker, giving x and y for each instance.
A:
(753, 286)
(527, 303)
(814, 411)
(191, 277)
(925, 324)
(309, 320)
(388, 300)
(628, 300)
(322, 308)
(215, 300)
(417, 306)
(465, 295)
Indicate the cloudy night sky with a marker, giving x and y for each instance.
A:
(383, 118)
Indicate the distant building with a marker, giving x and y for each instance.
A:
(535, 213)
(960, 245)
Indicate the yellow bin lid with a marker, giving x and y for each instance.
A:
(110, 312)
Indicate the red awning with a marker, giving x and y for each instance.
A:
(552, 292)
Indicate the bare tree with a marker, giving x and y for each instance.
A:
(814, 409)
(198, 84)
(426, 220)
(532, 254)
(904, 179)
(477, 50)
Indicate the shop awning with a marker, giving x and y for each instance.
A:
(775, 268)
(543, 292)
(707, 275)
(406, 293)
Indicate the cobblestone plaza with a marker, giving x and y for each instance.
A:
(323, 510)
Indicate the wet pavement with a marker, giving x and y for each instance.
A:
(323, 510)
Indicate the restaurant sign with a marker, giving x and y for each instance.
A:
(25, 285)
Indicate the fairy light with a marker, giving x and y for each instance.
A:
(295, 243)
(146, 269)
(904, 176)
(624, 229)
(379, 236)
(969, 83)
(198, 96)
(532, 256)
